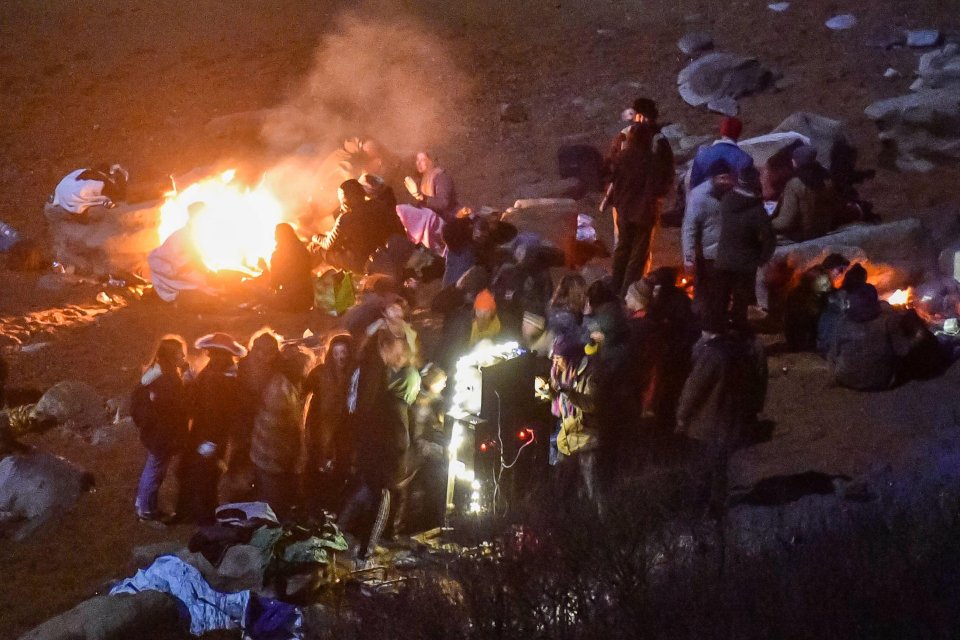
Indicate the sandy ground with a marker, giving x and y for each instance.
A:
(137, 82)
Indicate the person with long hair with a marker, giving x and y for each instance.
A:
(291, 277)
(329, 438)
(565, 312)
(159, 409)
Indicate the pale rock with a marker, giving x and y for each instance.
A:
(695, 42)
(841, 22)
(722, 75)
(919, 38)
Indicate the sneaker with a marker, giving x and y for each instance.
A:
(155, 516)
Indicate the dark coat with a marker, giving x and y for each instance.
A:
(866, 355)
(216, 405)
(159, 410)
(380, 423)
(291, 277)
(642, 176)
(328, 432)
(746, 237)
(725, 390)
(361, 230)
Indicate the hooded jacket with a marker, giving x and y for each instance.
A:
(746, 237)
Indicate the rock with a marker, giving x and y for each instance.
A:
(727, 106)
(149, 614)
(762, 148)
(563, 188)
(918, 128)
(674, 131)
(75, 405)
(722, 75)
(841, 22)
(891, 73)
(143, 556)
(695, 42)
(939, 69)
(554, 220)
(115, 240)
(513, 112)
(923, 38)
(825, 134)
(886, 38)
(899, 251)
(37, 489)
(779, 7)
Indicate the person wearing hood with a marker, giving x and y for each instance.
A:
(836, 305)
(278, 445)
(358, 231)
(643, 174)
(159, 409)
(216, 403)
(291, 272)
(746, 242)
(725, 149)
(808, 205)
(721, 398)
(869, 344)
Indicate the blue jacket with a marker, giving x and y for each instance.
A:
(720, 150)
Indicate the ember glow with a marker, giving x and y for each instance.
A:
(234, 229)
(899, 298)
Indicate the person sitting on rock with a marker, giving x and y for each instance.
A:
(291, 275)
(435, 191)
(725, 149)
(807, 301)
(808, 206)
(100, 186)
(159, 408)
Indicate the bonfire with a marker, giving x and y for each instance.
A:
(233, 224)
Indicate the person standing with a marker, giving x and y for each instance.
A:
(642, 175)
(700, 234)
(216, 402)
(746, 242)
(159, 409)
(278, 447)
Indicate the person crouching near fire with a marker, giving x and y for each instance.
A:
(177, 270)
(216, 408)
(159, 408)
(278, 446)
(84, 189)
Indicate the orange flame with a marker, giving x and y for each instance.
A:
(234, 229)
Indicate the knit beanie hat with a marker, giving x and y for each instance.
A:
(485, 301)
(731, 127)
(567, 346)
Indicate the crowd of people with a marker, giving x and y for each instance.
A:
(637, 370)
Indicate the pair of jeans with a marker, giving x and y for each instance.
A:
(632, 253)
(154, 471)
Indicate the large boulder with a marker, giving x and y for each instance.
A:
(825, 134)
(940, 68)
(762, 148)
(149, 614)
(112, 241)
(919, 128)
(37, 489)
(723, 75)
(71, 404)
